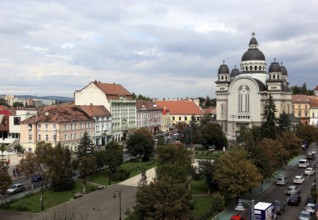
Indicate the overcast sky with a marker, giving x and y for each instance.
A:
(166, 48)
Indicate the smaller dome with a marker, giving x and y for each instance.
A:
(223, 69)
(284, 70)
(235, 72)
(253, 41)
(274, 67)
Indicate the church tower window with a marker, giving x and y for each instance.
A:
(244, 99)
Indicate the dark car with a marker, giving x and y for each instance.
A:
(294, 199)
(36, 178)
(279, 207)
(310, 156)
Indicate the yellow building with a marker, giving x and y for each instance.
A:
(301, 108)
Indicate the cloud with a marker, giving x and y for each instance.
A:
(154, 48)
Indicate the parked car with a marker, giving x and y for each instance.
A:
(292, 189)
(309, 171)
(15, 188)
(310, 199)
(313, 151)
(303, 163)
(294, 199)
(299, 179)
(279, 207)
(310, 207)
(281, 180)
(310, 156)
(304, 215)
(237, 217)
(36, 178)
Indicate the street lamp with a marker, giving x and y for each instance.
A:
(240, 207)
(119, 196)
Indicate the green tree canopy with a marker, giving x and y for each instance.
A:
(268, 127)
(163, 198)
(141, 143)
(291, 143)
(308, 133)
(85, 146)
(5, 179)
(284, 123)
(175, 161)
(235, 173)
(113, 157)
(211, 134)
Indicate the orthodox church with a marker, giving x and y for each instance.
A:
(241, 94)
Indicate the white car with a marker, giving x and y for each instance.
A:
(310, 207)
(299, 179)
(309, 171)
(313, 151)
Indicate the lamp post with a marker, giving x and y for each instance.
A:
(119, 196)
(240, 207)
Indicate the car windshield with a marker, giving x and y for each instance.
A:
(304, 214)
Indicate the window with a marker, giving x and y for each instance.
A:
(65, 127)
(244, 99)
(54, 127)
(30, 138)
(39, 137)
(185, 118)
(173, 118)
(46, 137)
(65, 137)
(16, 120)
(179, 118)
(46, 127)
(54, 137)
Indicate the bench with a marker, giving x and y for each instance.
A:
(100, 187)
(77, 195)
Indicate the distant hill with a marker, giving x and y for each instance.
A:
(57, 98)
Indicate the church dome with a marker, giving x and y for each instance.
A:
(274, 67)
(284, 70)
(253, 53)
(223, 69)
(235, 72)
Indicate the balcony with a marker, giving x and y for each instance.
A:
(241, 116)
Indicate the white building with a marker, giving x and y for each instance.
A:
(242, 94)
(116, 99)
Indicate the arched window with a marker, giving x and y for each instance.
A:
(260, 68)
(255, 67)
(251, 68)
(274, 76)
(246, 68)
(244, 99)
(222, 77)
(278, 77)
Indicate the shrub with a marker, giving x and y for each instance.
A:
(62, 183)
(218, 202)
(120, 175)
(22, 207)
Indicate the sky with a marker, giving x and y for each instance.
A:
(159, 49)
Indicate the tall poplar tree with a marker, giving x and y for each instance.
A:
(268, 128)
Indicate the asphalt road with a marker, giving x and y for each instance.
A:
(277, 192)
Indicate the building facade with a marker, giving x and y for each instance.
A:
(301, 108)
(118, 100)
(149, 116)
(242, 93)
(63, 124)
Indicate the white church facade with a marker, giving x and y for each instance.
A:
(241, 94)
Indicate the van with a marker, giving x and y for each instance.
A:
(303, 163)
(281, 180)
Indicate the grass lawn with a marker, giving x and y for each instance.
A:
(199, 187)
(202, 204)
(31, 203)
(208, 155)
(134, 167)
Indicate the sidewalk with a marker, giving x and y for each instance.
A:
(230, 210)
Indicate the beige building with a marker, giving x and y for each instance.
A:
(53, 124)
(149, 116)
(301, 108)
(118, 100)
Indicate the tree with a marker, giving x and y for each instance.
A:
(291, 143)
(113, 158)
(163, 198)
(249, 136)
(211, 134)
(29, 165)
(208, 101)
(268, 127)
(85, 146)
(2, 149)
(141, 143)
(3, 102)
(284, 123)
(308, 133)
(17, 104)
(19, 149)
(235, 173)
(205, 170)
(174, 161)
(5, 179)
(87, 165)
(61, 166)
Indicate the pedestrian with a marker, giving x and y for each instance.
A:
(14, 173)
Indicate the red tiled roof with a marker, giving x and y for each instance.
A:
(5, 111)
(300, 98)
(313, 101)
(95, 110)
(112, 89)
(147, 106)
(182, 107)
(209, 110)
(58, 114)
